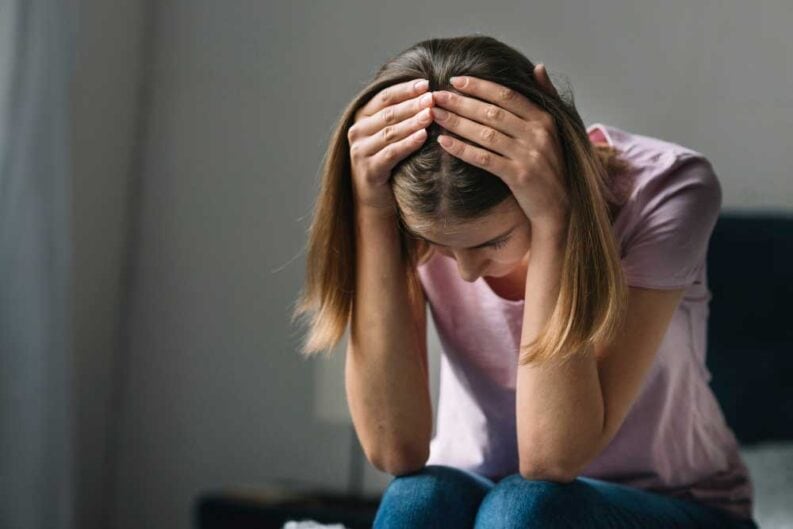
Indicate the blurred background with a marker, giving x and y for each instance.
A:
(159, 165)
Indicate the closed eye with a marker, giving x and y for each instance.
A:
(495, 245)
(499, 244)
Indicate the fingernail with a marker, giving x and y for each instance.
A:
(425, 99)
(445, 141)
(459, 82)
(421, 84)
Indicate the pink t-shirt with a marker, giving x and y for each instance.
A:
(674, 440)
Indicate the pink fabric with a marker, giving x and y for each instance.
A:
(674, 440)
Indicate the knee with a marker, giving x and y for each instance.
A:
(519, 502)
(431, 497)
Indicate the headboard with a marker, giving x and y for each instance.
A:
(750, 329)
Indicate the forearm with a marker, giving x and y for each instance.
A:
(386, 379)
(559, 407)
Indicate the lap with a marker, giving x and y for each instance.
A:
(591, 503)
(444, 496)
(436, 496)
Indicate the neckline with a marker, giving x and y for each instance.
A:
(599, 127)
(493, 293)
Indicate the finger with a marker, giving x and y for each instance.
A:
(491, 162)
(392, 95)
(395, 152)
(500, 95)
(483, 135)
(390, 115)
(370, 145)
(541, 73)
(493, 116)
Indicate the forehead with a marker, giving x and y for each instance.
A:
(505, 211)
(465, 233)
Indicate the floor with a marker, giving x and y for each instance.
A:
(771, 469)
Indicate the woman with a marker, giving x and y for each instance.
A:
(565, 272)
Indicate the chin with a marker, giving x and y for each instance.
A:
(498, 274)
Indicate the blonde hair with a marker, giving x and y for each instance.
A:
(431, 184)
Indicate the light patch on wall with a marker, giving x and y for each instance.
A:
(330, 399)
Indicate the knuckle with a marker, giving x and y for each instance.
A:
(488, 134)
(483, 158)
(542, 136)
(389, 115)
(494, 113)
(388, 133)
(386, 95)
(352, 133)
(506, 93)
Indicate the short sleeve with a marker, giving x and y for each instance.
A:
(668, 247)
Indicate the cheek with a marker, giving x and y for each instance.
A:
(508, 256)
(514, 252)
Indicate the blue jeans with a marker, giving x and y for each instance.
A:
(447, 497)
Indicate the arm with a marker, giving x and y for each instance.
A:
(567, 415)
(386, 364)
(559, 408)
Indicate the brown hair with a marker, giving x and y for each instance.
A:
(435, 185)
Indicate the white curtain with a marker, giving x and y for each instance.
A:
(36, 447)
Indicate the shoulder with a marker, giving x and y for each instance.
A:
(671, 212)
(650, 155)
(665, 172)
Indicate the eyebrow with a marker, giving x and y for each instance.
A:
(487, 243)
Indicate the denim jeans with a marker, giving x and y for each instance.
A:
(448, 497)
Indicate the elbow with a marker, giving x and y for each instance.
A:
(400, 462)
(536, 470)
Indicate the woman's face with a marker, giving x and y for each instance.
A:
(492, 246)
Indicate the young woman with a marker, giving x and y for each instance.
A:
(565, 271)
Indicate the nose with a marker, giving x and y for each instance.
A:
(469, 267)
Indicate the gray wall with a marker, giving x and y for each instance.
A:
(104, 112)
(243, 95)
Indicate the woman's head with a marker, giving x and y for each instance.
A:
(444, 199)
(491, 245)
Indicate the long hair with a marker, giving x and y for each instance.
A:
(436, 186)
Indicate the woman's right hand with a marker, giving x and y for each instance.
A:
(385, 130)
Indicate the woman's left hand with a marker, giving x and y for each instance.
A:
(520, 139)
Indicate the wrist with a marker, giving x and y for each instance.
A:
(375, 222)
(550, 228)
(375, 212)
